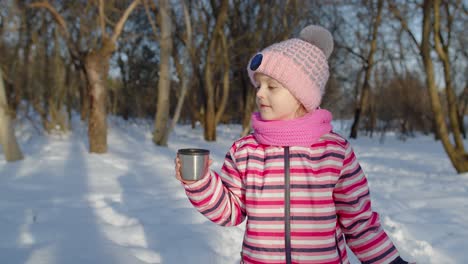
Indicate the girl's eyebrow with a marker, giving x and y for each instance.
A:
(273, 82)
(268, 80)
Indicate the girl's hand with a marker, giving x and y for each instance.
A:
(178, 173)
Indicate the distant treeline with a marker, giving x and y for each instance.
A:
(397, 65)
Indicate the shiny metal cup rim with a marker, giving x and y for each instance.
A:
(193, 151)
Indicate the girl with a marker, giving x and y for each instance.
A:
(297, 182)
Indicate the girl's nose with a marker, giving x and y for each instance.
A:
(259, 92)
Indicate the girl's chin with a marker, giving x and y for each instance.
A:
(266, 117)
(271, 117)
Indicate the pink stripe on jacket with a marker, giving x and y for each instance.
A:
(329, 198)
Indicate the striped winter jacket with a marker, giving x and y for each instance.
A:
(329, 203)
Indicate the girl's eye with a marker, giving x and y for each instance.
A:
(271, 87)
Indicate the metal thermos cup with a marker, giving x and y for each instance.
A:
(194, 163)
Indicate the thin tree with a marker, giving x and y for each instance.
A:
(95, 64)
(216, 40)
(161, 123)
(442, 48)
(8, 141)
(457, 155)
(183, 73)
(361, 108)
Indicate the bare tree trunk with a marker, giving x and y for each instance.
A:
(183, 93)
(125, 112)
(97, 66)
(17, 89)
(197, 108)
(226, 67)
(458, 158)
(7, 136)
(69, 93)
(161, 124)
(372, 116)
(210, 122)
(43, 103)
(362, 108)
(210, 111)
(57, 118)
(84, 95)
(462, 109)
(26, 43)
(443, 53)
(183, 76)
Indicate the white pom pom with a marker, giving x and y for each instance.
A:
(319, 37)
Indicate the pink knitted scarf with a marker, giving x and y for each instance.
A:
(302, 131)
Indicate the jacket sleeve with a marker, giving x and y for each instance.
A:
(220, 197)
(361, 226)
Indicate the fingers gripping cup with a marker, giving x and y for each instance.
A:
(194, 163)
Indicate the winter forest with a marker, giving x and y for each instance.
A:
(105, 92)
(397, 66)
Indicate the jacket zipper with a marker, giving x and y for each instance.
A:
(287, 207)
(338, 248)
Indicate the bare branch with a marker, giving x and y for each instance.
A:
(119, 26)
(226, 66)
(72, 47)
(110, 22)
(6, 78)
(450, 18)
(437, 35)
(102, 20)
(148, 14)
(396, 12)
(350, 50)
(188, 25)
(58, 18)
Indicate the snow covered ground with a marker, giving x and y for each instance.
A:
(64, 205)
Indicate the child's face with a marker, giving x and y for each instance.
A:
(274, 101)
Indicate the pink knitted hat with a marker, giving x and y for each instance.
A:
(299, 64)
